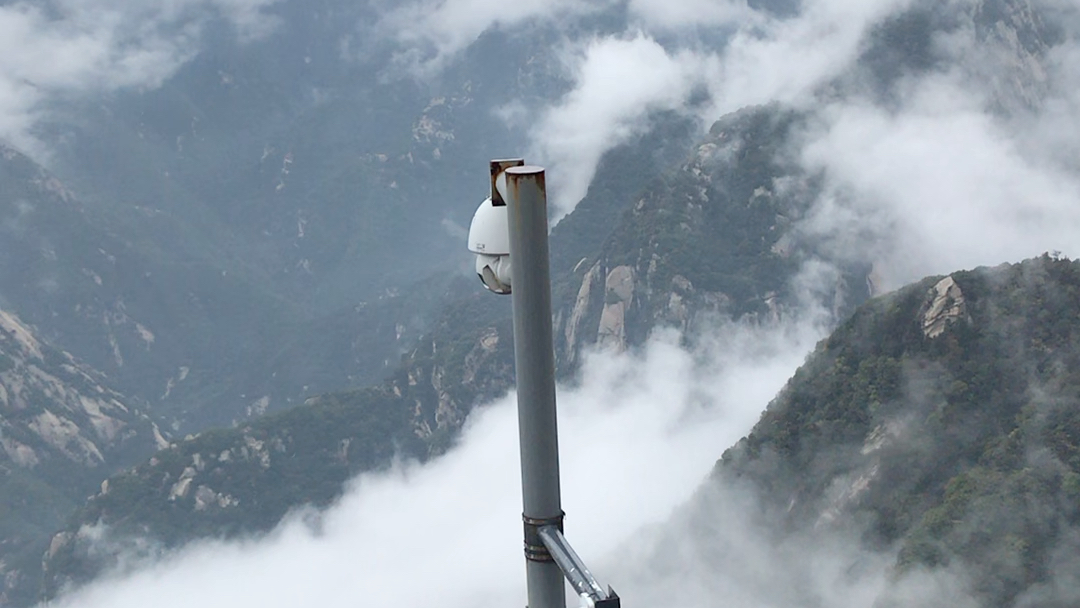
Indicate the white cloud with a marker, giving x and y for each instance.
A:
(929, 184)
(433, 32)
(949, 190)
(909, 186)
(637, 438)
(78, 48)
(1050, 134)
(717, 551)
(939, 180)
(619, 82)
(788, 60)
(737, 55)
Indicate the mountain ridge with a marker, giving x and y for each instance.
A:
(942, 416)
(677, 228)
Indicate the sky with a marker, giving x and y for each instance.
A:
(946, 173)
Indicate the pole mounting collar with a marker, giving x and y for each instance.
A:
(535, 550)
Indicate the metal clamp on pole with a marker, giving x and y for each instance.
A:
(535, 549)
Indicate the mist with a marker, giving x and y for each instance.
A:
(946, 172)
(970, 161)
(703, 68)
(70, 49)
(638, 435)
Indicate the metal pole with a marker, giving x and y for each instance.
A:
(526, 200)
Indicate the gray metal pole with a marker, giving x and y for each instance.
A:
(526, 195)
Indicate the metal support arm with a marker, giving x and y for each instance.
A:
(579, 577)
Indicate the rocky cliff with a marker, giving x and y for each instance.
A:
(62, 430)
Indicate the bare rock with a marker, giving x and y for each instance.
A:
(946, 307)
(619, 295)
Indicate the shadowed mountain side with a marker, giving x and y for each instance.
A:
(62, 430)
(467, 358)
(944, 418)
(245, 479)
(175, 326)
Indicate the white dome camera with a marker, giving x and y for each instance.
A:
(489, 239)
(489, 233)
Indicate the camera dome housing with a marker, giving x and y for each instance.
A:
(489, 239)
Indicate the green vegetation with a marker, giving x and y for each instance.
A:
(968, 440)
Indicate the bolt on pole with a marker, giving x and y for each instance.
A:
(526, 201)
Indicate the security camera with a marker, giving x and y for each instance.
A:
(489, 239)
(489, 233)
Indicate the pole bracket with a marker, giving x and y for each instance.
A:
(593, 595)
(535, 549)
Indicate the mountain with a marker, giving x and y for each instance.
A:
(676, 229)
(945, 417)
(290, 181)
(62, 430)
(181, 330)
(266, 215)
(245, 479)
(713, 236)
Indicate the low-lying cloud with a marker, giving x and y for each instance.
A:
(637, 437)
(970, 160)
(704, 69)
(936, 188)
(715, 552)
(935, 178)
(620, 82)
(953, 173)
(701, 58)
(970, 163)
(433, 33)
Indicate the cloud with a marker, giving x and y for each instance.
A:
(789, 60)
(941, 178)
(433, 32)
(637, 437)
(619, 81)
(73, 48)
(716, 552)
(909, 183)
(704, 58)
(930, 182)
(948, 188)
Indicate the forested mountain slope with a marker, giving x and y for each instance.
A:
(945, 418)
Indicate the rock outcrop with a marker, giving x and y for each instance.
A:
(62, 430)
(945, 305)
(942, 419)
